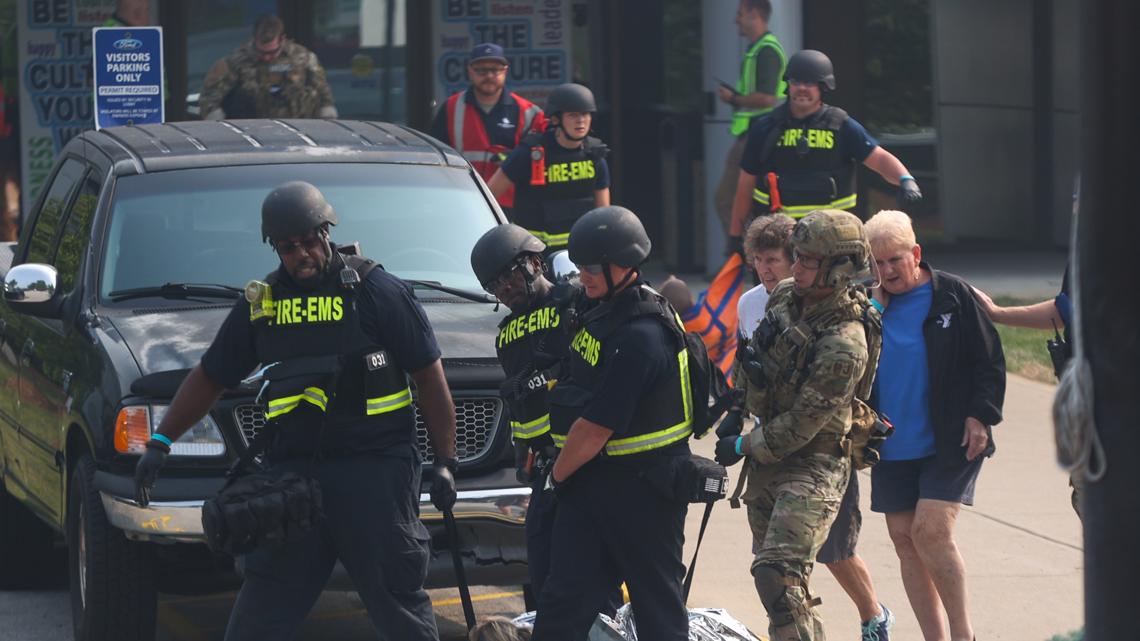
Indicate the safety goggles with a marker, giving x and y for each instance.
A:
(590, 269)
(495, 284)
(288, 248)
(809, 262)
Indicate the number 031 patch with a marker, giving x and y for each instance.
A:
(376, 360)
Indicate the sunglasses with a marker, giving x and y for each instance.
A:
(590, 269)
(288, 248)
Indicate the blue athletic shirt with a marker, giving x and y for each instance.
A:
(902, 384)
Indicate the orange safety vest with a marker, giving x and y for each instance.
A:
(713, 317)
(469, 137)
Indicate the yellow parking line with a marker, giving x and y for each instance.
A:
(343, 614)
(180, 627)
(478, 597)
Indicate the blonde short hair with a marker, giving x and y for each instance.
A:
(892, 228)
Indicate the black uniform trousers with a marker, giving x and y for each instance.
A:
(612, 526)
(539, 530)
(371, 523)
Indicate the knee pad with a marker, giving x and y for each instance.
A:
(785, 596)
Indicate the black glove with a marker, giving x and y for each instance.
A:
(147, 470)
(443, 484)
(726, 451)
(909, 192)
(735, 246)
(731, 425)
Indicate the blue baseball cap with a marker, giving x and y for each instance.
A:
(487, 51)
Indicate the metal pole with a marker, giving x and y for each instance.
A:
(1107, 232)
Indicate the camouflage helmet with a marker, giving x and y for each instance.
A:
(839, 237)
(292, 209)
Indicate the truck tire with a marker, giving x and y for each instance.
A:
(25, 546)
(113, 593)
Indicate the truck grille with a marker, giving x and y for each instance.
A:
(476, 419)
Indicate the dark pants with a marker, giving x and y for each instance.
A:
(371, 508)
(612, 526)
(539, 529)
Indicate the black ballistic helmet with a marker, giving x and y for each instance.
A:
(292, 209)
(610, 234)
(497, 249)
(570, 97)
(810, 65)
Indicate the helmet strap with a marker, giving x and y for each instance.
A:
(611, 288)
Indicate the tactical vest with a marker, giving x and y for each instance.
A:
(560, 189)
(785, 341)
(524, 339)
(302, 330)
(664, 414)
(746, 84)
(807, 157)
(469, 136)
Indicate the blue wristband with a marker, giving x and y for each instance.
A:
(905, 177)
(162, 439)
(877, 305)
(739, 442)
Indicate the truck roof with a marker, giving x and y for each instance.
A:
(210, 143)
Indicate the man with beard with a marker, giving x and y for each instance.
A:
(560, 174)
(802, 155)
(485, 122)
(350, 426)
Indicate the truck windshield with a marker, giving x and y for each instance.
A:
(204, 225)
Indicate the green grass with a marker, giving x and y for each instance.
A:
(1075, 635)
(1025, 353)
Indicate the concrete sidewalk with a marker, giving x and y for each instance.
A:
(1021, 542)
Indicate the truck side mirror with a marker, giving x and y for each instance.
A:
(31, 289)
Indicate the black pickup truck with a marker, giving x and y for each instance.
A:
(126, 266)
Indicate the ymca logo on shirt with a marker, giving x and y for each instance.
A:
(944, 320)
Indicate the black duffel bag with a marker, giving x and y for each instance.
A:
(688, 479)
(261, 510)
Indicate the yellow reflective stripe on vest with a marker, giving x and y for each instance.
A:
(551, 240)
(667, 436)
(559, 439)
(799, 211)
(388, 403)
(531, 429)
(279, 406)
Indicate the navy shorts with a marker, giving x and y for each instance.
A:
(844, 533)
(896, 486)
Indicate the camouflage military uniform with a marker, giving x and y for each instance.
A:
(813, 362)
(292, 85)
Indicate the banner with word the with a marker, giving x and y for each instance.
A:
(56, 81)
(534, 34)
(128, 76)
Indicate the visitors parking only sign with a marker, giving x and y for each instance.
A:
(128, 76)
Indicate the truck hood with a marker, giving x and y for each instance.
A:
(176, 337)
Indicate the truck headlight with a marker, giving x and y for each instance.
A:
(135, 424)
